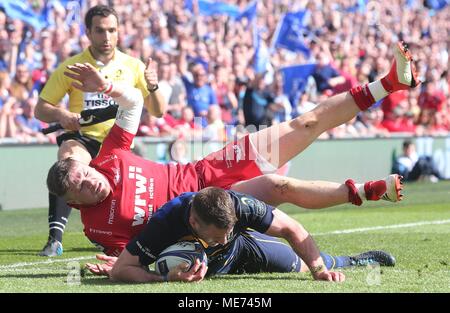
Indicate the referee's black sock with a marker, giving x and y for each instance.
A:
(58, 215)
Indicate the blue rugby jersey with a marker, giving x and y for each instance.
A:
(170, 224)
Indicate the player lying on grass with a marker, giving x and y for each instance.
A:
(119, 191)
(221, 220)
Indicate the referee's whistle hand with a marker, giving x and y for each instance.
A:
(69, 120)
(151, 73)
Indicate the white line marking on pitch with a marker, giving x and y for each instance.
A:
(358, 230)
(344, 231)
(22, 264)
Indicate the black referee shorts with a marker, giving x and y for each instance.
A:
(91, 145)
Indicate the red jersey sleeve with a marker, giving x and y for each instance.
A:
(116, 249)
(117, 138)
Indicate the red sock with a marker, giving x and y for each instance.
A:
(386, 84)
(375, 189)
(362, 96)
(353, 196)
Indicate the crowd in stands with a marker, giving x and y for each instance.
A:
(207, 66)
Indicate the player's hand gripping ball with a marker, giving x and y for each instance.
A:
(180, 252)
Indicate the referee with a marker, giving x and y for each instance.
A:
(83, 143)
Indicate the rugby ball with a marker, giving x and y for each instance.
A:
(183, 251)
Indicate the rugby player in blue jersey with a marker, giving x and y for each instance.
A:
(239, 234)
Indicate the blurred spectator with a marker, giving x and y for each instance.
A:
(164, 80)
(187, 126)
(371, 119)
(304, 104)
(438, 126)
(398, 116)
(177, 100)
(200, 95)
(178, 151)
(257, 101)
(40, 75)
(282, 108)
(412, 167)
(431, 98)
(223, 86)
(172, 88)
(22, 83)
(8, 113)
(215, 130)
(152, 126)
(326, 75)
(5, 85)
(349, 46)
(28, 126)
(352, 129)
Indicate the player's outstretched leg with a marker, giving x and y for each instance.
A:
(275, 190)
(381, 258)
(280, 143)
(403, 74)
(388, 189)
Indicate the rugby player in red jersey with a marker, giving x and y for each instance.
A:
(119, 191)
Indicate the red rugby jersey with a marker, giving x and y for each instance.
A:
(138, 188)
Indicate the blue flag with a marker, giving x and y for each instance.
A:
(410, 3)
(436, 4)
(22, 10)
(209, 8)
(188, 5)
(74, 8)
(359, 6)
(249, 12)
(295, 79)
(289, 33)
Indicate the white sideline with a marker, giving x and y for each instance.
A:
(359, 230)
(49, 261)
(336, 232)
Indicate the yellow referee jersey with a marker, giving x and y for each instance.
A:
(122, 69)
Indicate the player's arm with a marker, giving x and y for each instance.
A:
(128, 269)
(154, 102)
(47, 109)
(303, 244)
(88, 79)
(50, 113)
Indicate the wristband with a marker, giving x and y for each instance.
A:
(107, 89)
(110, 88)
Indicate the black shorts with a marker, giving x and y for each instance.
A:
(253, 252)
(91, 145)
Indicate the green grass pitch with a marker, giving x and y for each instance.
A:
(416, 231)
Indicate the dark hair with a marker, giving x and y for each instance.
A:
(214, 206)
(407, 143)
(58, 177)
(99, 10)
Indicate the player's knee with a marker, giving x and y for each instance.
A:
(308, 121)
